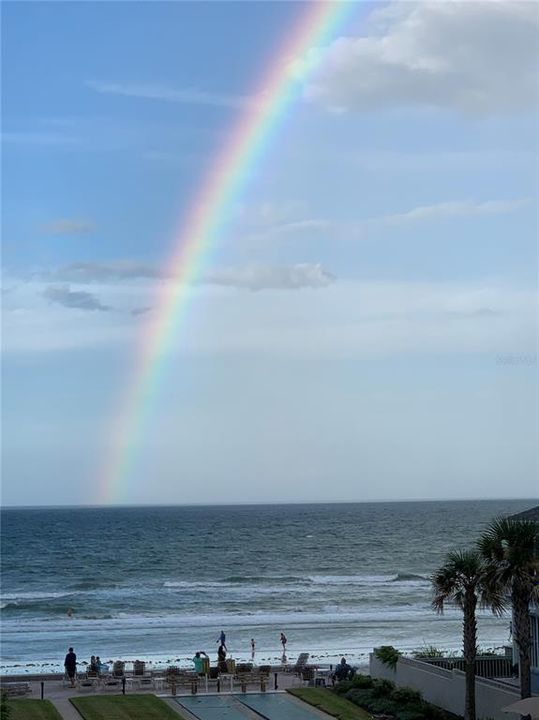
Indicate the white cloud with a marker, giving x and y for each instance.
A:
(264, 277)
(348, 319)
(473, 57)
(185, 96)
(455, 209)
(253, 277)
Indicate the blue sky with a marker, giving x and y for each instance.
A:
(366, 327)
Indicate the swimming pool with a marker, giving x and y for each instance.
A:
(213, 707)
(270, 706)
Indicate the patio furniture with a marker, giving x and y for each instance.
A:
(87, 682)
(16, 689)
(118, 669)
(140, 677)
(181, 679)
(301, 662)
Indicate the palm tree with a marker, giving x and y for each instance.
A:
(461, 581)
(509, 549)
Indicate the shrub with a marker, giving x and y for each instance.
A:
(388, 655)
(382, 688)
(359, 681)
(406, 696)
(363, 681)
(342, 687)
(413, 714)
(5, 710)
(361, 697)
(382, 706)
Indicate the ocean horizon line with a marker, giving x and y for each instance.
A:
(277, 503)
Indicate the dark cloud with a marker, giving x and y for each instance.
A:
(76, 299)
(140, 311)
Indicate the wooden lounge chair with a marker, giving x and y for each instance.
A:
(118, 669)
(257, 676)
(301, 662)
(243, 668)
(139, 668)
(181, 679)
(140, 676)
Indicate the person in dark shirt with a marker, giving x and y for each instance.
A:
(70, 664)
(221, 659)
(344, 671)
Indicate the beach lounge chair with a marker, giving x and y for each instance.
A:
(141, 678)
(257, 676)
(87, 682)
(178, 679)
(307, 674)
(242, 668)
(139, 668)
(300, 664)
(118, 669)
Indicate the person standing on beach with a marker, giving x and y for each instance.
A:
(221, 659)
(283, 642)
(200, 662)
(252, 648)
(70, 664)
(222, 639)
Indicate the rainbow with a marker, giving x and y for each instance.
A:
(198, 235)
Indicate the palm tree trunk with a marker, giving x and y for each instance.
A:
(470, 649)
(522, 634)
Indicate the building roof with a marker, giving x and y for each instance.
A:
(531, 514)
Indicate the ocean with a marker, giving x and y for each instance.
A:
(160, 583)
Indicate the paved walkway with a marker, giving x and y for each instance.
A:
(66, 709)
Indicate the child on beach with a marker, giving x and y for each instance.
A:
(283, 642)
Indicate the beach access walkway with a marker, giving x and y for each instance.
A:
(66, 709)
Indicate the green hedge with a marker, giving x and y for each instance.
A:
(382, 697)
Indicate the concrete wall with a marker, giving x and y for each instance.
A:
(445, 688)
